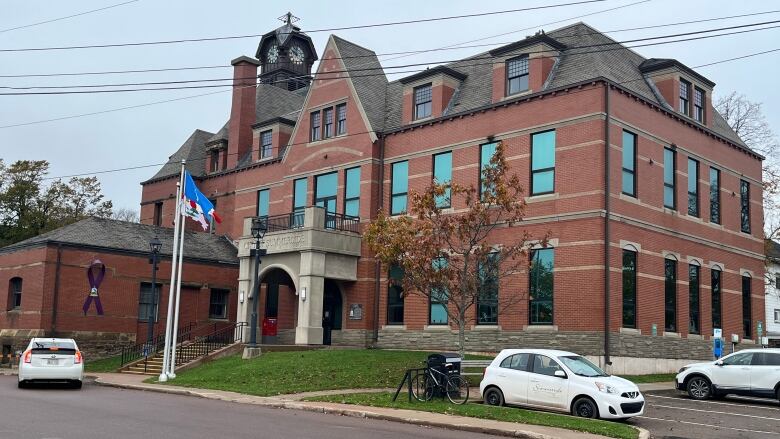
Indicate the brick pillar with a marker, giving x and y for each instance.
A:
(242, 110)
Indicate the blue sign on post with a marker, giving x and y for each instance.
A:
(717, 347)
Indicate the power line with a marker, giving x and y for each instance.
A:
(233, 37)
(66, 17)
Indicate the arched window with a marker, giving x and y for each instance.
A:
(716, 282)
(629, 286)
(15, 293)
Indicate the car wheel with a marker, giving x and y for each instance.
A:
(585, 408)
(22, 384)
(76, 384)
(699, 388)
(494, 396)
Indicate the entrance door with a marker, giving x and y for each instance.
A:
(331, 310)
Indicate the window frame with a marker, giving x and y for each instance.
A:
(630, 275)
(485, 284)
(694, 299)
(328, 127)
(717, 311)
(315, 130)
(214, 158)
(533, 171)
(673, 184)
(444, 202)
(158, 214)
(155, 301)
(399, 303)
(484, 165)
(744, 206)
(224, 305)
(532, 290)
(670, 292)
(715, 211)
(625, 170)
(296, 219)
(440, 302)
(266, 191)
(693, 196)
(266, 149)
(347, 198)
(685, 101)
(526, 75)
(15, 290)
(777, 315)
(699, 113)
(394, 195)
(341, 124)
(427, 105)
(747, 306)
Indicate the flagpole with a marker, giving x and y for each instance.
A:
(176, 225)
(172, 373)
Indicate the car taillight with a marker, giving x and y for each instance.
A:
(77, 358)
(28, 357)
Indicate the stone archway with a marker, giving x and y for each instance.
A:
(279, 303)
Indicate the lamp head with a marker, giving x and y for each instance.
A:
(259, 227)
(155, 245)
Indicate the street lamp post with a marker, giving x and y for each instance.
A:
(154, 246)
(259, 227)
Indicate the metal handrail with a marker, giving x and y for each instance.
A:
(339, 221)
(145, 350)
(206, 344)
(295, 220)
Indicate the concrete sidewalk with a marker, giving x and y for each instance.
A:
(127, 381)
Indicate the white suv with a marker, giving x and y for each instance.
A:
(750, 372)
(558, 380)
(51, 360)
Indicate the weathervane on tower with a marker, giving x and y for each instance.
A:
(288, 18)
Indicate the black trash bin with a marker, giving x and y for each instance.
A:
(445, 362)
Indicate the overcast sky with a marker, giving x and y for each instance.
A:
(148, 135)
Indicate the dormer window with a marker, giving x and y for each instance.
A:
(685, 97)
(214, 160)
(516, 75)
(315, 126)
(698, 104)
(423, 98)
(266, 144)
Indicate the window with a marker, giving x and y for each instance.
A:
(395, 296)
(352, 192)
(328, 113)
(341, 116)
(214, 160)
(148, 303)
(545, 365)
(442, 175)
(698, 104)
(486, 153)
(325, 189)
(717, 307)
(543, 163)
(670, 295)
(437, 314)
(300, 188)
(315, 126)
(487, 301)
(747, 321)
(670, 168)
(218, 303)
(422, 101)
(777, 316)
(266, 144)
(14, 293)
(516, 362)
(158, 207)
(399, 186)
(685, 97)
(629, 288)
(694, 320)
(770, 359)
(714, 196)
(541, 288)
(516, 75)
(744, 202)
(777, 281)
(740, 359)
(693, 187)
(629, 163)
(263, 201)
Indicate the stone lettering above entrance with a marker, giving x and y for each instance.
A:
(285, 242)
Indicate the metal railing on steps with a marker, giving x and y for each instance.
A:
(146, 350)
(204, 345)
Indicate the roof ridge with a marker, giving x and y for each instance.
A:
(354, 44)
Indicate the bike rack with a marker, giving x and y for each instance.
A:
(408, 381)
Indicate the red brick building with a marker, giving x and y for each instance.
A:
(48, 285)
(654, 205)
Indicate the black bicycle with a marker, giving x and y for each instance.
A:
(434, 382)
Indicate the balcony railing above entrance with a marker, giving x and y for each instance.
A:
(322, 220)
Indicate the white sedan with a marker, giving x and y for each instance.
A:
(750, 372)
(561, 381)
(51, 360)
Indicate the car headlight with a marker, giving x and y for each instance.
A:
(683, 369)
(606, 388)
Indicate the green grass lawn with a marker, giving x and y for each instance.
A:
(110, 364)
(652, 378)
(605, 428)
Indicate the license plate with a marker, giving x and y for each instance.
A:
(52, 362)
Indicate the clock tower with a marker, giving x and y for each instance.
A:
(286, 56)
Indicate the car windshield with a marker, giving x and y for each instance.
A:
(582, 367)
(52, 347)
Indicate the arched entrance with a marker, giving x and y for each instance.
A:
(277, 302)
(332, 310)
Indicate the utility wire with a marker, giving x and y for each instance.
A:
(66, 17)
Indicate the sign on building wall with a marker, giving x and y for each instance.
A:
(95, 274)
(356, 311)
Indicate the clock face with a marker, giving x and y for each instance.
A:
(273, 54)
(297, 55)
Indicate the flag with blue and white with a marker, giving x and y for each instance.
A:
(195, 205)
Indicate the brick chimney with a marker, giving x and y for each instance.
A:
(242, 110)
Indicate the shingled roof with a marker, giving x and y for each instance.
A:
(773, 250)
(108, 234)
(368, 78)
(193, 150)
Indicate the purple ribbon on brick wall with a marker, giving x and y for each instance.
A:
(94, 282)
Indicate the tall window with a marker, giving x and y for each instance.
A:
(325, 193)
(352, 192)
(158, 213)
(315, 126)
(698, 104)
(218, 303)
(629, 288)
(300, 187)
(714, 195)
(214, 160)
(693, 187)
(263, 202)
(629, 163)
(442, 175)
(747, 321)
(744, 203)
(670, 295)
(543, 163)
(422, 101)
(328, 114)
(266, 144)
(685, 97)
(694, 319)
(541, 288)
(487, 301)
(399, 186)
(148, 303)
(437, 314)
(341, 116)
(516, 75)
(717, 308)
(395, 296)
(486, 153)
(14, 293)
(670, 168)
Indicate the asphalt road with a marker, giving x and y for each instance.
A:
(671, 415)
(95, 412)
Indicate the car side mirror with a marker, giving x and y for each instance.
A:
(560, 374)
(719, 363)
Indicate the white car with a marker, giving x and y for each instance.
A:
(750, 372)
(51, 360)
(561, 381)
